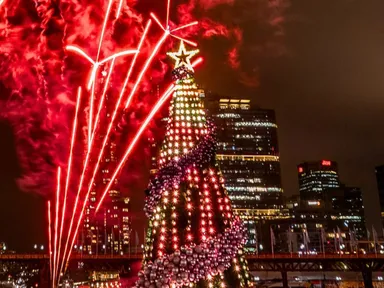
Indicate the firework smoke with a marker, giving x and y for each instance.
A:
(41, 77)
(51, 50)
(252, 27)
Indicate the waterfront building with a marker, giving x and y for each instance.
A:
(248, 156)
(315, 178)
(333, 222)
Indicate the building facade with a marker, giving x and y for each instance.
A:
(108, 231)
(248, 156)
(315, 178)
(327, 216)
(335, 224)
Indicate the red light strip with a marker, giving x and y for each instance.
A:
(56, 223)
(120, 7)
(103, 29)
(101, 103)
(167, 20)
(50, 240)
(74, 129)
(185, 26)
(146, 65)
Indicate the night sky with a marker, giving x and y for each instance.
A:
(327, 90)
(323, 74)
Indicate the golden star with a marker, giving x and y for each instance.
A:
(183, 57)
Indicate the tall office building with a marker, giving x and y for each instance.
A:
(248, 154)
(108, 231)
(315, 178)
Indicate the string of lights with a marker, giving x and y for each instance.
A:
(193, 239)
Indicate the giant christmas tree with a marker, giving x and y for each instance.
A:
(193, 238)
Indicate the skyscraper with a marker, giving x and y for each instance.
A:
(315, 178)
(248, 156)
(108, 231)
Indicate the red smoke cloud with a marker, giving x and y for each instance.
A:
(228, 19)
(209, 4)
(42, 78)
(233, 58)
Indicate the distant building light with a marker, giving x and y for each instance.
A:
(326, 163)
(314, 203)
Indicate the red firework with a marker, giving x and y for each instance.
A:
(61, 259)
(55, 243)
(71, 199)
(50, 239)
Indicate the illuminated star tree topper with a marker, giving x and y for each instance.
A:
(183, 57)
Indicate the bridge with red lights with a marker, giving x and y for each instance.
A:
(284, 263)
(249, 257)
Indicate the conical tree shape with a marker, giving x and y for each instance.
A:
(193, 238)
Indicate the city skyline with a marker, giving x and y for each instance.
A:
(298, 170)
(337, 129)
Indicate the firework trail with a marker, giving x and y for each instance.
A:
(158, 105)
(68, 177)
(106, 138)
(49, 239)
(167, 32)
(96, 66)
(55, 256)
(88, 154)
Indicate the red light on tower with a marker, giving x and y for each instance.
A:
(301, 170)
(326, 163)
